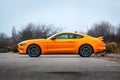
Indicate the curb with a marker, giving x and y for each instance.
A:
(117, 56)
(111, 55)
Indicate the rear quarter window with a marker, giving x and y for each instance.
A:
(79, 36)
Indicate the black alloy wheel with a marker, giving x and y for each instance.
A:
(85, 51)
(34, 51)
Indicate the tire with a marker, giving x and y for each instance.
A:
(34, 51)
(85, 51)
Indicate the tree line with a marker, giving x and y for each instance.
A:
(110, 33)
(30, 31)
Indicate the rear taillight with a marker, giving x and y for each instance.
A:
(101, 38)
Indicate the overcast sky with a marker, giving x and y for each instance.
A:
(73, 15)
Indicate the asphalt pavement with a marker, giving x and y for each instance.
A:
(14, 66)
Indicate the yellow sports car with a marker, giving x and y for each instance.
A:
(63, 42)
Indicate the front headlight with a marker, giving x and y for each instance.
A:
(22, 44)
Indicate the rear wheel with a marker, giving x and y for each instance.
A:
(85, 51)
(34, 51)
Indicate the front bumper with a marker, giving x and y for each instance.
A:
(21, 49)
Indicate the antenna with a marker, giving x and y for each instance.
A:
(75, 31)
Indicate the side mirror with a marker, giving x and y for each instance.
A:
(53, 38)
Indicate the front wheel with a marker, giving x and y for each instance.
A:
(34, 51)
(85, 51)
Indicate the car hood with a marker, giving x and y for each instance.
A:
(33, 40)
(36, 40)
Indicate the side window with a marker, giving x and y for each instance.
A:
(68, 36)
(62, 36)
(74, 36)
(79, 36)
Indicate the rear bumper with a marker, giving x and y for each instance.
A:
(100, 50)
(100, 47)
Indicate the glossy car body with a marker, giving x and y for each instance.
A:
(63, 42)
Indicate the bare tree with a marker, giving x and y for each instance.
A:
(14, 37)
(27, 32)
(118, 29)
(4, 40)
(118, 34)
(32, 31)
(104, 29)
(45, 31)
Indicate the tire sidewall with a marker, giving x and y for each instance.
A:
(37, 54)
(88, 47)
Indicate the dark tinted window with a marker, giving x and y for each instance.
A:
(62, 36)
(78, 36)
(68, 36)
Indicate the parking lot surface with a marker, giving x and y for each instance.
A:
(14, 66)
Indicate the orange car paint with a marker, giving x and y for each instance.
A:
(63, 45)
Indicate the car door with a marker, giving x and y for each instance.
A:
(61, 44)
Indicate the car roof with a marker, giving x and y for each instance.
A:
(68, 32)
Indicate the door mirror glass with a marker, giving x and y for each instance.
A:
(53, 38)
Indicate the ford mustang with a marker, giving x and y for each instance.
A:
(63, 42)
